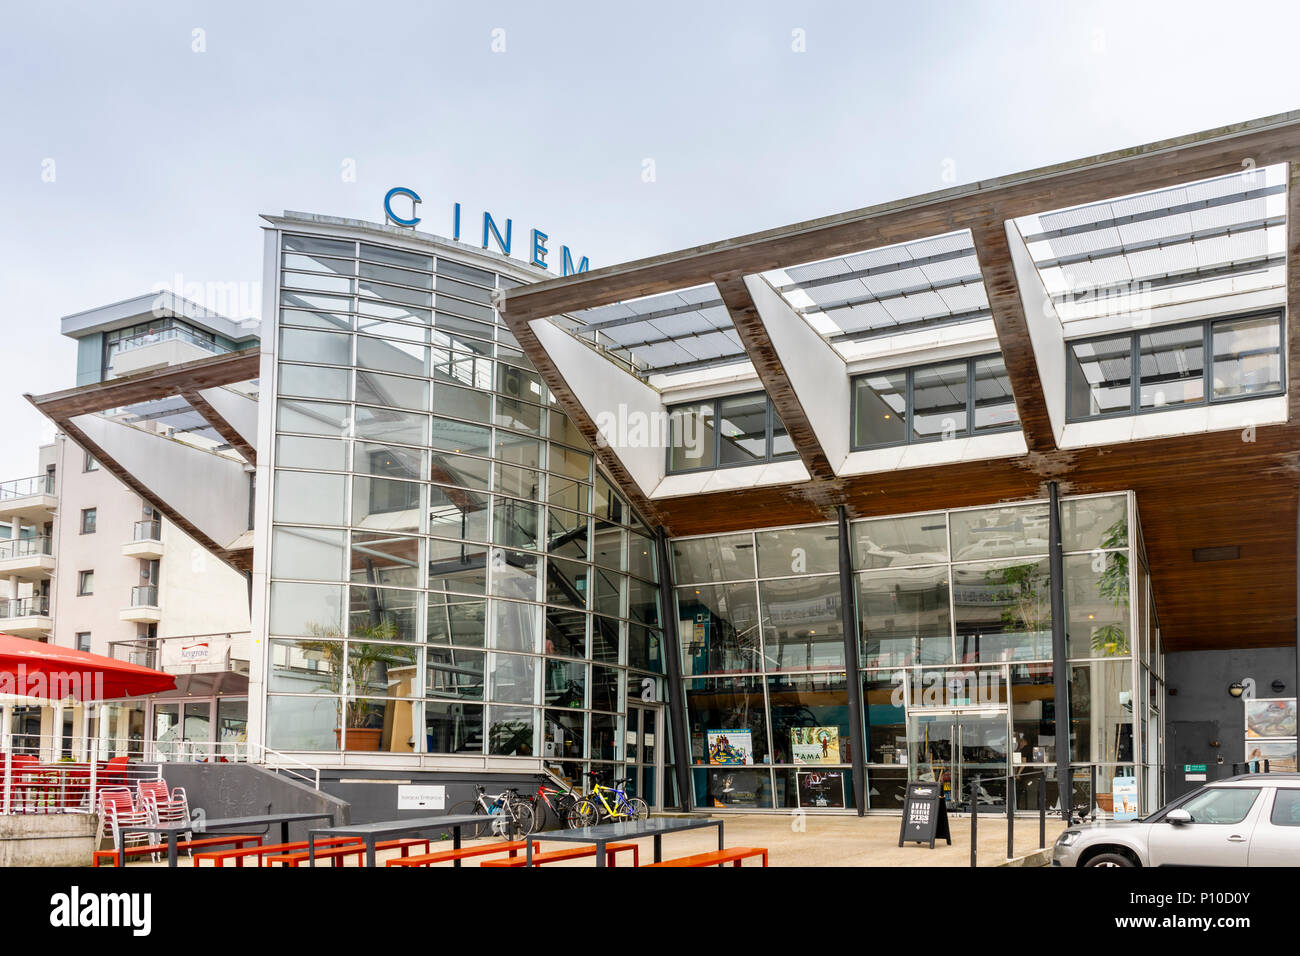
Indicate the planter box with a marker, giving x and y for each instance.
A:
(48, 839)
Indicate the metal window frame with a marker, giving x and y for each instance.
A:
(908, 405)
(1207, 372)
(717, 465)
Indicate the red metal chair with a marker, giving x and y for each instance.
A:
(163, 806)
(119, 811)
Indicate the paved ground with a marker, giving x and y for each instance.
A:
(832, 841)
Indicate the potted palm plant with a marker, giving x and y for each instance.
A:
(355, 673)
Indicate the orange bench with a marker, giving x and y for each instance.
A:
(717, 857)
(219, 858)
(237, 839)
(443, 856)
(342, 852)
(572, 853)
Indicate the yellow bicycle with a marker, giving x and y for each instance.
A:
(604, 804)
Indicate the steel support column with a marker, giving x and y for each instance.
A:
(672, 646)
(857, 710)
(1060, 657)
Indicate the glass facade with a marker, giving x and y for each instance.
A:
(955, 658)
(932, 403)
(450, 571)
(1175, 366)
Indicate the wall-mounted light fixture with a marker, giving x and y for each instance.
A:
(1236, 689)
(1278, 686)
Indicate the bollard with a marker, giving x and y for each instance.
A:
(1092, 792)
(1042, 809)
(974, 822)
(1266, 765)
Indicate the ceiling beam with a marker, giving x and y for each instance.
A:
(1008, 308)
(772, 373)
(228, 369)
(571, 406)
(227, 431)
(1154, 166)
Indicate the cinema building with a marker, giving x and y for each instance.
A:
(999, 481)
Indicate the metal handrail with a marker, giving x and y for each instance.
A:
(314, 779)
(146, 595)
(38, 606)
(25, 487)
(25, 547)
(148, 530)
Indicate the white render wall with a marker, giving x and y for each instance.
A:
(197, 593)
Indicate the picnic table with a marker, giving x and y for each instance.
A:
(173, 831)
(604, 833)
(370, 832)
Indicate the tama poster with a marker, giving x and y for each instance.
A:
(815, 744)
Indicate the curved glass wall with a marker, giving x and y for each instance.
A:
(451, 573)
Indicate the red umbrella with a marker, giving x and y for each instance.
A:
(32, 669)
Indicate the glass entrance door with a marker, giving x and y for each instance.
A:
(953, 747)
(644, 753)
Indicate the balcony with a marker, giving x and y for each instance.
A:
(28, 499)
(193, 654)
(26, 617)
(146, 542)
(144, 606)
(27, 559)
(159, 348)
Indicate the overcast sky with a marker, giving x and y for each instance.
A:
(167, 128)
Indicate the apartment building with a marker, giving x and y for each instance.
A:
(89, 563)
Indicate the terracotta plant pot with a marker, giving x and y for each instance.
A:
(1106, 801)
(360, 738)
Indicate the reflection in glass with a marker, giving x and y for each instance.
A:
(900, 542)
(878, 409)
(798, 551)
(802, 626)
(905, 617)
(727, 557)
(1172, 366)
(1100, 376)
(938, 401)
(1247, 357)
(719, 628)
(1003, 611)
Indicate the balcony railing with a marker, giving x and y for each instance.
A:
(24, 607)
(24, 547)
(168, 335)
(188, 654)
(144, 596)
(23, 487)
(148, 530)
